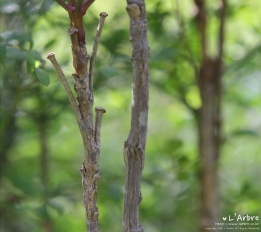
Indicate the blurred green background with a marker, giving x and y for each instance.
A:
(41, 147)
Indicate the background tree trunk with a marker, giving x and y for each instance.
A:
(134, 148)
(209, 118)
(209, 128)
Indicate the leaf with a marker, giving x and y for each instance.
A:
(17, 35)
(56, 206)
(37, 55)
(30, 61)
(2, 52)
(109, 71)
(15, 54)
(43, 76)
(166, 54)
(247, 132)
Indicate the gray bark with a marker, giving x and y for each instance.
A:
(134, 147)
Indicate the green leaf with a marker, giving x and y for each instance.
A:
(37, 55)
(56, 206)
(2, 52)
(247, 132)
(43, 76)
(30, 61)
(167, 53)
(15, 54)
(17, 35)
(109, 71)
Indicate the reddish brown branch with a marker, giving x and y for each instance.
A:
(85, 5)
(76, 13)
(67, 7)
(72, 2)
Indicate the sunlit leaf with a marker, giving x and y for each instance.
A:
(30, 61)
(43, 76)
(193, 97)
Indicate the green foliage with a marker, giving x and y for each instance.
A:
(43, 76)
(33, 116)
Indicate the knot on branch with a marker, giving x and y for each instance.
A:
(72, 30)
(132, 152)
(93, 214)
(134, 11)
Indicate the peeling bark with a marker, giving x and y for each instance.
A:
(134, 147)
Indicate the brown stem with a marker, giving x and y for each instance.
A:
(209, 120)
(51, 57)
(134, 148)
(103, 16)
(76, 13)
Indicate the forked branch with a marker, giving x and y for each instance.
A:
(83, 110)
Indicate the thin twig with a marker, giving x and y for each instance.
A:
(103, 16)
(51, 57)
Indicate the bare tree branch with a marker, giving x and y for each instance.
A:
(134, 147)
(51, 57)
(103, 16)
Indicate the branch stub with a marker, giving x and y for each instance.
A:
(100, 109)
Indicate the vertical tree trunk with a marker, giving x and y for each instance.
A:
(209, 126)
(209, 118)
(134, 147)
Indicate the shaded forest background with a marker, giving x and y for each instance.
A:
(41, 147)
